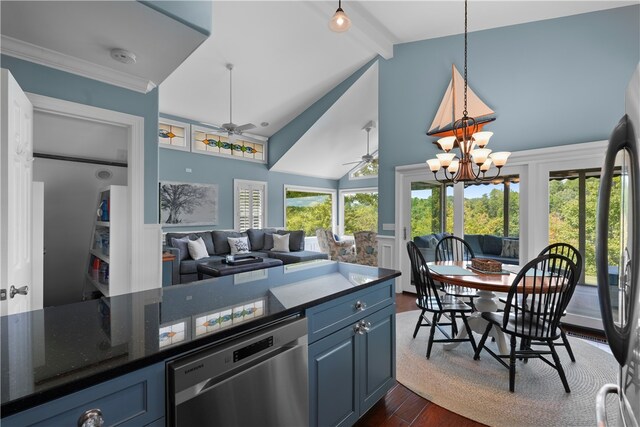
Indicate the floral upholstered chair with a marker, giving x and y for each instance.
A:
(342, 250)
(366, 247)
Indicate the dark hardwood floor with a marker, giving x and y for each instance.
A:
(402, 407)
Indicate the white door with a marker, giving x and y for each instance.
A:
(16, 209)
(420, 214)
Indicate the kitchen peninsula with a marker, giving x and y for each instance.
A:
(111, 353)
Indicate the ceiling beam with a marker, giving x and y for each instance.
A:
(365, 29)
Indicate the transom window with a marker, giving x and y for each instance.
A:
(367, 170)
(208, 141)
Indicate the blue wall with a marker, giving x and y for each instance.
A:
(281, 141)
(195, 14)
(346, 183)
(70, 87)
(554, 82)
(219, 170)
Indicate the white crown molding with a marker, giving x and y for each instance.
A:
(70, 64)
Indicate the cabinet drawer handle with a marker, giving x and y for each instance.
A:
(360, 306)
(91, 418)
(362, 327)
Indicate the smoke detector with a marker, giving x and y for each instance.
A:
(124, 56)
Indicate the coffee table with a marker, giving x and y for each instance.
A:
(218, 268)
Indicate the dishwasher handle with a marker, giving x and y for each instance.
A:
(205, 386)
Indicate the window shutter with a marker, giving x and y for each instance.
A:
(250, 199)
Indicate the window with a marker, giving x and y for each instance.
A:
(250, 204)
(173, 134)
(493, 208)
(309, 208)
(367, 170)
(359, 211)
(426, 208)
(210, 141)
(572, 216)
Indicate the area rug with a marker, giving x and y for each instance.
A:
(479, 390)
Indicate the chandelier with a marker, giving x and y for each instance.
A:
(475, 160)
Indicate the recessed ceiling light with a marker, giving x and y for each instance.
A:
(124, 56)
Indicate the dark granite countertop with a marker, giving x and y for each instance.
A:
(48, 353)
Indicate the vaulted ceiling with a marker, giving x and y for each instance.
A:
(285, 56)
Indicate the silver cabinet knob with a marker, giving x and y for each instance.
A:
(360, 306)
(362, 327)
(91, 418)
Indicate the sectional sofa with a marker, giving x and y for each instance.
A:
(503, 249)
(260, 244)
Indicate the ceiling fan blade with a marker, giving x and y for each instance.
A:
(244, 127)
(352, 163)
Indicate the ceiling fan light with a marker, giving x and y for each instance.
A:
(339, 22)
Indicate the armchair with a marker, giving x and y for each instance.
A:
(338, 251)
(366, 247)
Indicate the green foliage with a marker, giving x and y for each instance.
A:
(309, 215)
(360, 212)
(564, 219)
(425, 214)
(368, 169)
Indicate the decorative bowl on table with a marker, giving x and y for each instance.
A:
(488, 265)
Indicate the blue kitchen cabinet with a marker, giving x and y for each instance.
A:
(134, 399)
(351, 355)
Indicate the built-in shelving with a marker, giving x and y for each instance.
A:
(108, 268)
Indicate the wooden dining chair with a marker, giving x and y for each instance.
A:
(429, 300)
(546, 283)
(574, 255)
(452, 248)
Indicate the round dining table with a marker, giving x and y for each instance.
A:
(487, 284)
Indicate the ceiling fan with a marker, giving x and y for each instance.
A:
(232, 128)
(367, 158)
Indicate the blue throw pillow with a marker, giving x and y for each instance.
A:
(183, 247)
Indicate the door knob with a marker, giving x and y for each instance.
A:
(22, 290)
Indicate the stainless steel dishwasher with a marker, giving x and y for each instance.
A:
(260, 379)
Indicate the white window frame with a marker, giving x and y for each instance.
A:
(187, 134)
(331, 191)
(345, 192)
(243, 183)
(258, 139)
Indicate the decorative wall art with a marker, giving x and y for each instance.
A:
(209, 141)
(188, 204)
(174, 134)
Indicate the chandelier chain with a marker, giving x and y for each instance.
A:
(464, 113)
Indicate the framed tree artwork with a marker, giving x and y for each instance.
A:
(188, 204)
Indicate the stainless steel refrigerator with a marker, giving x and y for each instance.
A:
(622, 326)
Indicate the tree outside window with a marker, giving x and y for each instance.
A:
(308, 210)
(360, 212)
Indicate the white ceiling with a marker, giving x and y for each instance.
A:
(285, 56)
(338, 134)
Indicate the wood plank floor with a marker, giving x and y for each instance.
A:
(402, 407)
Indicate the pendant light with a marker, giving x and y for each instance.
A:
(339, 22)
